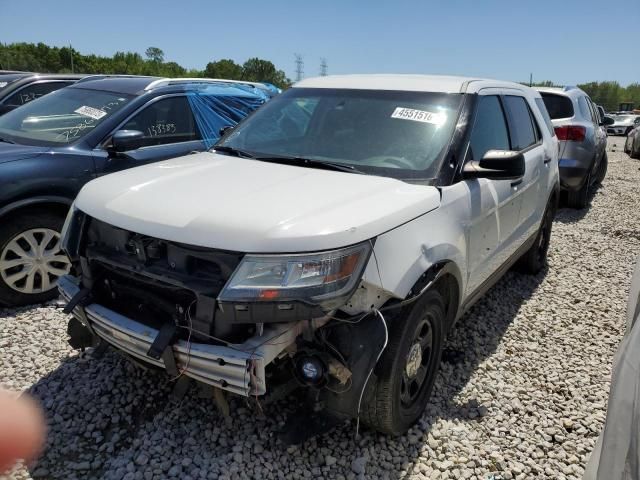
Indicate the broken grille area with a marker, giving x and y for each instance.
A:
(157, 281)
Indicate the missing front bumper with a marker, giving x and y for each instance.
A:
(236, 368)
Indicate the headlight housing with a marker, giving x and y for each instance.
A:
(324, 278)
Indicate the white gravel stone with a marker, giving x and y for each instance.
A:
(527, 399)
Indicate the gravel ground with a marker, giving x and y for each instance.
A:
(525, 399)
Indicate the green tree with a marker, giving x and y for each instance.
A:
(225, 68)
(258, 70)
(155, 54)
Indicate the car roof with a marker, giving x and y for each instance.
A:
(132, 85)
(138, 85)
(407, 82)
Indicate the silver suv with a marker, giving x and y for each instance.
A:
(583, 139)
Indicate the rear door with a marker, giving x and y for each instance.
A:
(526, 137)
(601, 133)
(169, 129)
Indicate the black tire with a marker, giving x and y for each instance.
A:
(9, 230)
(579, 199)
(634, 153)
(602, 169)
(535, 258)
(387, 409)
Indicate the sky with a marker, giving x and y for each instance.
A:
(568, 42)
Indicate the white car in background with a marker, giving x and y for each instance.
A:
(334, 237)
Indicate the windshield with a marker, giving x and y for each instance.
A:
(390, 133)
(61, 117)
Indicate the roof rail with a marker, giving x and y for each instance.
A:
(163, 82)
(114, 75)
(566, 88)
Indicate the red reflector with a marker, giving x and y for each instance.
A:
(269, 294)
(572, 133)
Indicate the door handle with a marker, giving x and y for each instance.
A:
(516, 183)
(547, 159)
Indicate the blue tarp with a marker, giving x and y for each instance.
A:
(221, 105)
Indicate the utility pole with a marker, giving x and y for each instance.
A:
(531, 79)
(299, 67)
(323, 67)
(71, 53)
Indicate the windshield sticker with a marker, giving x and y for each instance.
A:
(3, 84)
(419, 115)
(91, 112)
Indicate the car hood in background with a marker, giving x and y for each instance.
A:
(10, 152)
(237, 204)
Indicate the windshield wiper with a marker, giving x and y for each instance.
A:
(6, 140)
(233, 151)
(310, 162)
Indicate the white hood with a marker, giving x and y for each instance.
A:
(231, 203)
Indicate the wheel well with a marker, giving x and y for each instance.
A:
(55, 208)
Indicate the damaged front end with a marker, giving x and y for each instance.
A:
(243, 323)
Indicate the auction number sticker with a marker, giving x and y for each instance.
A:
(418, 115)
(91, 112)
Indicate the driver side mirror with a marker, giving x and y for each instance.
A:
(606, 121)
(496, 165)
(126, 140)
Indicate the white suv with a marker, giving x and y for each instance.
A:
(331, 240)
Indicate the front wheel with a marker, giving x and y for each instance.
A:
(408, 367)
(31, 259)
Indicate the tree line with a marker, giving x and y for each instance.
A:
(608, 94)
(45, 59)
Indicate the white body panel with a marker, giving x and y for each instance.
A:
(231, 203)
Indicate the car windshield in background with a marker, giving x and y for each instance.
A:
(61, 117)
(390, 133)
(558, 106)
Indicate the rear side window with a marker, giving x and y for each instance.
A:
(584, 108)
(33, 91)
(490, 128)
(169, 120)
(545, 116)
(558, 106)
(523, 131)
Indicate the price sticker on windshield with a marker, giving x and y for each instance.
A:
(418, 115)
(91, 112)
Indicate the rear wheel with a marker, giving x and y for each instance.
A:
(535, 258)
(408, 367)
(635, 149)
(580, 199)
(602, 169)
(31, 259)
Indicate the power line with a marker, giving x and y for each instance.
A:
(299, 67)
(323, 67)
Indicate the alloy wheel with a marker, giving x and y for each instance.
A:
(33, 261)
(417, 363)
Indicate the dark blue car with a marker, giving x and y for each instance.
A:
(52, 146)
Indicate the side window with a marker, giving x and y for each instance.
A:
(522, 129)
(545, 115)
(33, 91)
(595, 115)
(490, 128)
(169, 120)
(584, 108)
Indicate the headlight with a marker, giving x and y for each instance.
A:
(315, 278)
